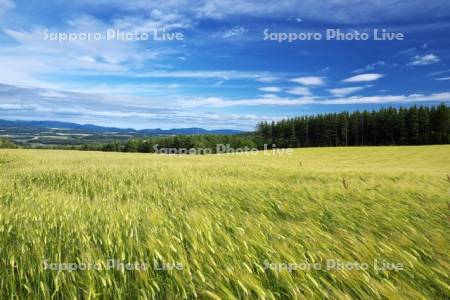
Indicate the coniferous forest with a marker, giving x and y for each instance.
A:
(387, 126)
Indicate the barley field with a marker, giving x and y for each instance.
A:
(337, 223)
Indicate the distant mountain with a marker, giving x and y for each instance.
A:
(89, 128)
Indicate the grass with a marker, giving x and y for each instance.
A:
(224, 219)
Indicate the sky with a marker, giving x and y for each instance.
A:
(218, 64)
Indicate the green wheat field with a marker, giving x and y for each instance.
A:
(226, 226)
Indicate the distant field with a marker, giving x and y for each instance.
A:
(230, 223)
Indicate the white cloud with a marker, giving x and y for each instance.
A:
(76, 56)
(267, 79)
(330, 11)
(437, 73)
(364, 77)
(239, 117)
(99, 108)
(389, 99)
(236, 31)
(370, 67)
(87, 58)
(340, 92)
(220, 102)
(308, 80)
(270, 89)
(303, 91)
(9, 106)
(334, 11)
(227, 75)
(424, 60)
(23, 70)
(156, 20)
(269, 96)
(33, 57)
(443, 78)
(274, 100)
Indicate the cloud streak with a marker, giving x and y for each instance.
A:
(279, 101)
(330, 11)
(339, 92)
(363, 78)
(424, 60)
(309, 80)
(270, 89)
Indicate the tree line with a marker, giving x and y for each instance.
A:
(183, 143)
(387, 126)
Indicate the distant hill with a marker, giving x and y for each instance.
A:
(54, 133)
(89, 128)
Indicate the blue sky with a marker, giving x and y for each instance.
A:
(223, 73)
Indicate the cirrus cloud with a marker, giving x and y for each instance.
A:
(340, 92)
(300, 90)
(270, 89)
(424, 60)
(364, 77)
(308, 80)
